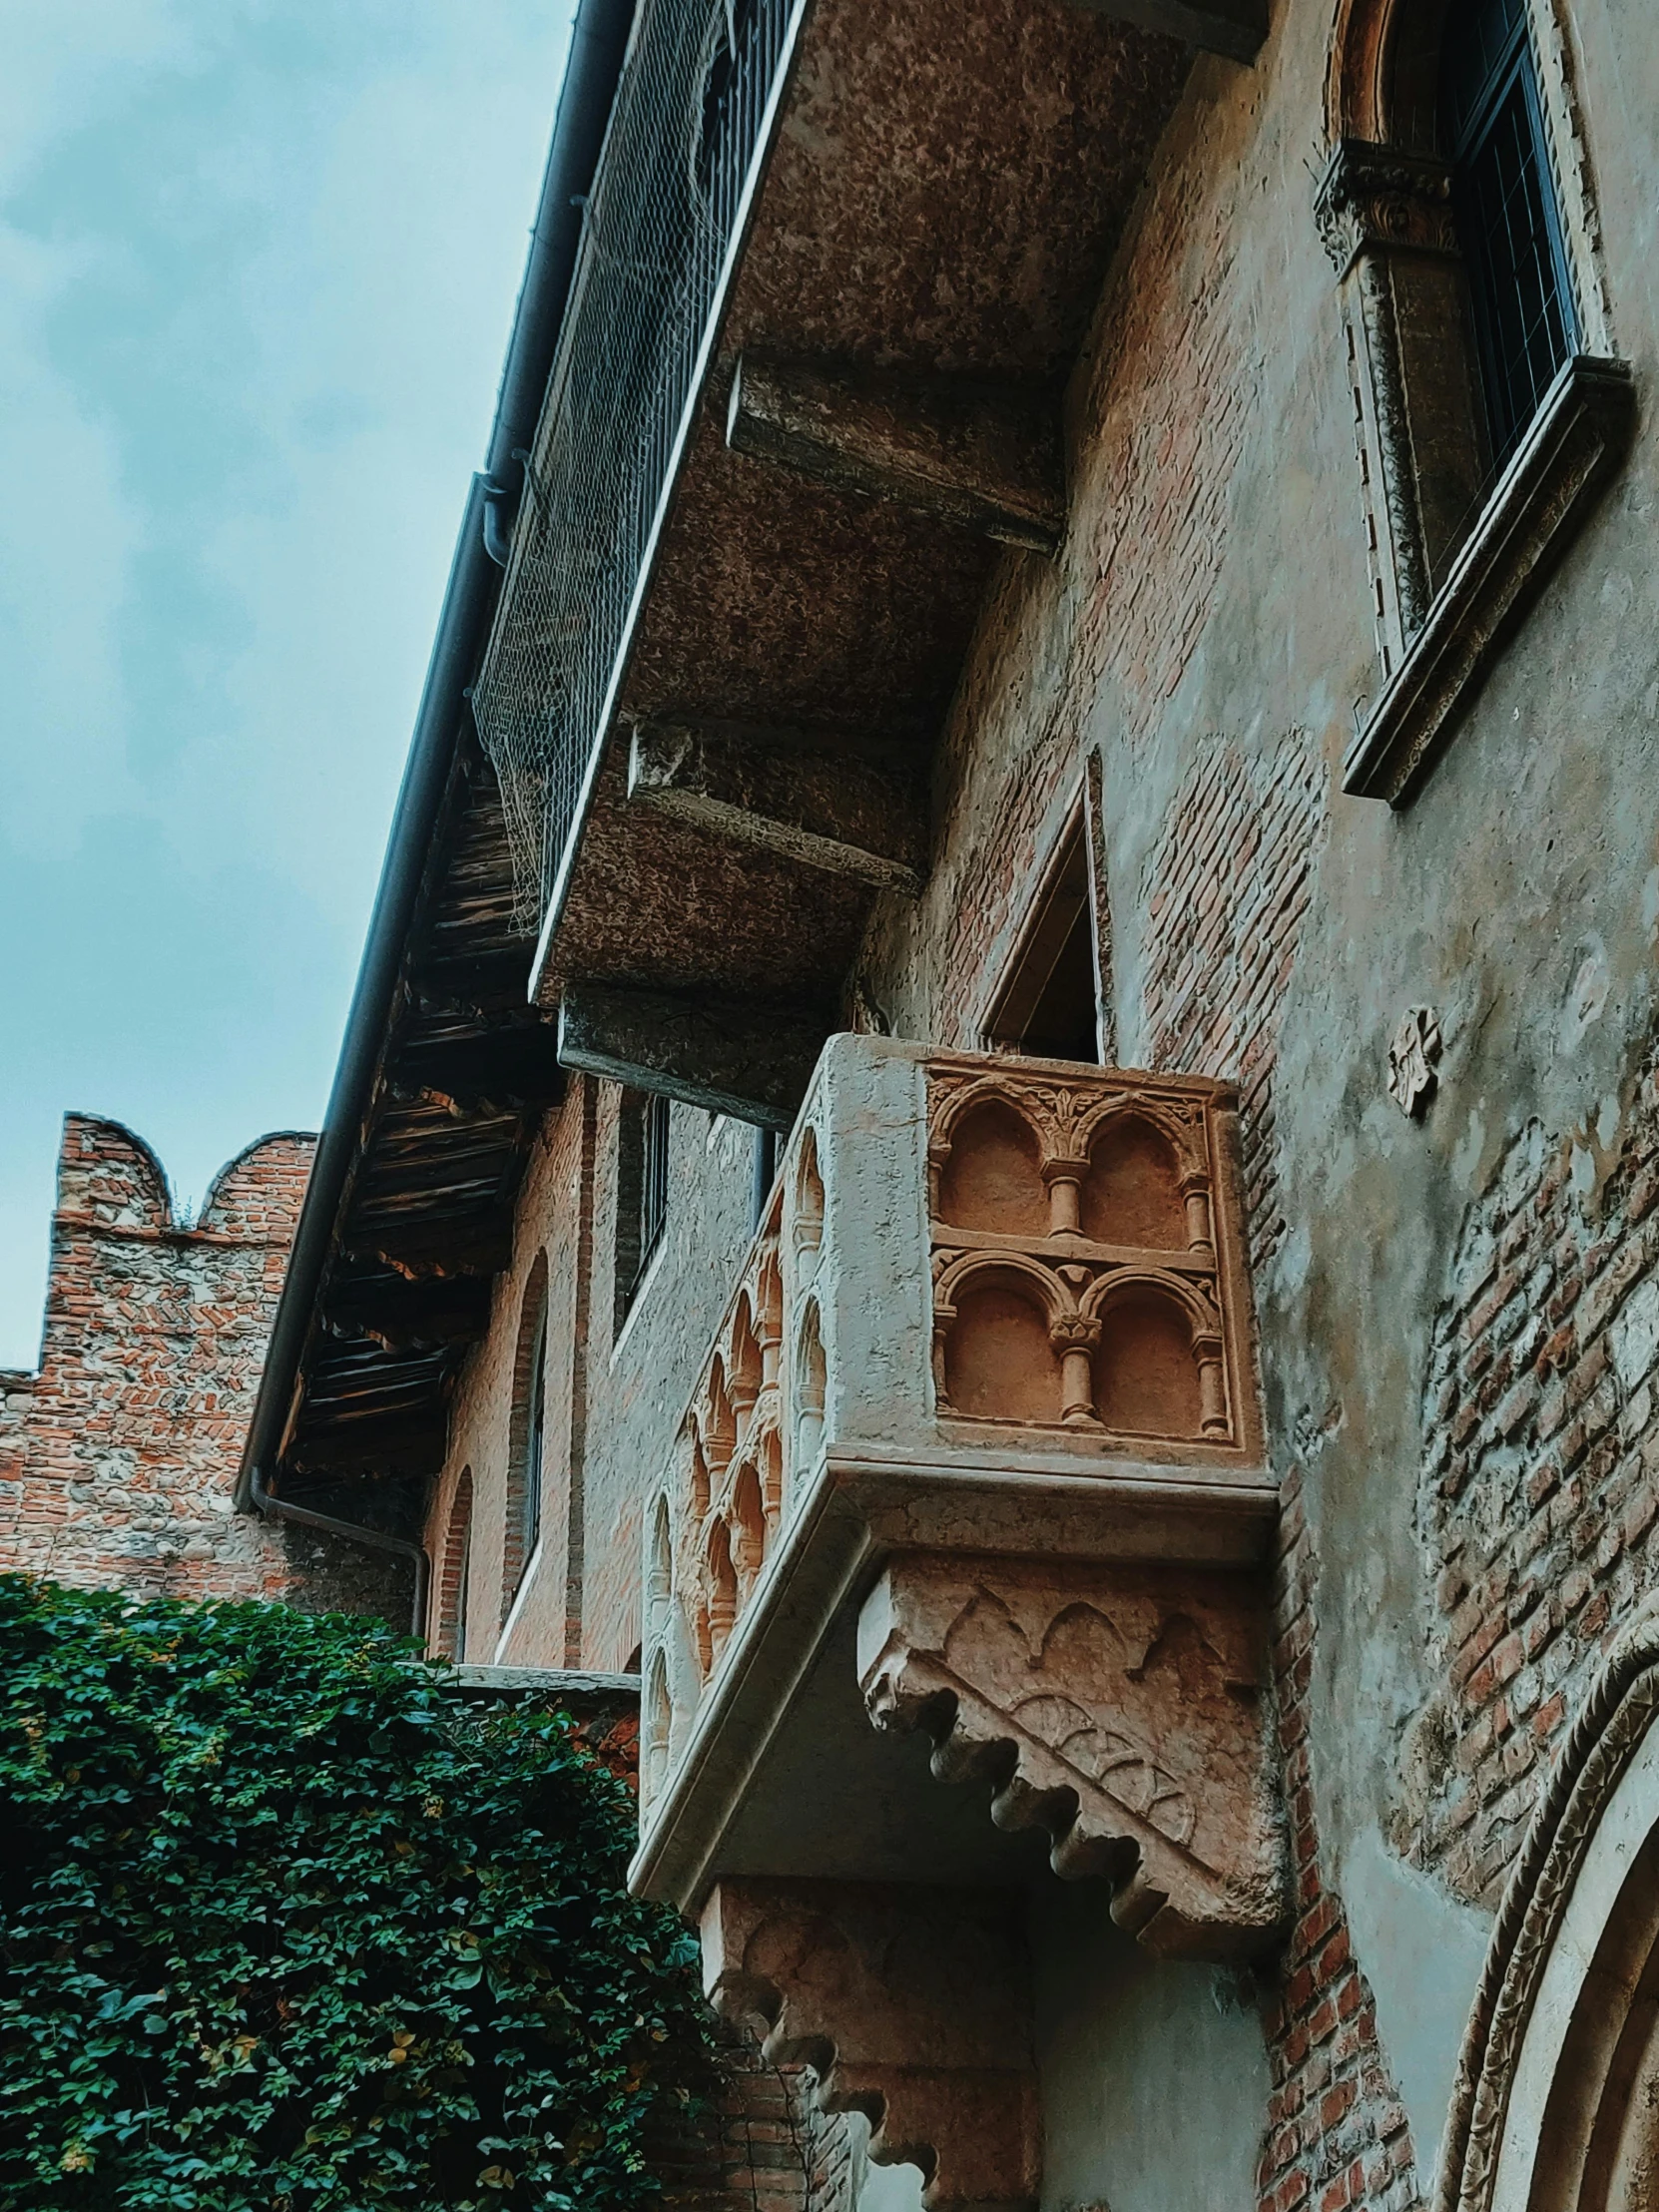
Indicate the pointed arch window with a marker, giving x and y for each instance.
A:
(1488, 409)
(1507, 214)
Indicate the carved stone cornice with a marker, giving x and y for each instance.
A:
(913, 2007)
(1373, 197)
(1118, 1706)
(1620, 1710)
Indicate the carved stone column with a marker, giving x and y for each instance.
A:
(1386, 218)
(913, 2005)
(1118, 1706)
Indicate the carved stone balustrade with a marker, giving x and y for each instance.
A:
(970, 1492)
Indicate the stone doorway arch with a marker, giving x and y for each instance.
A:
(1556, 2103)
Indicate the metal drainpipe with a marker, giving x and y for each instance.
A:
(279, 1508)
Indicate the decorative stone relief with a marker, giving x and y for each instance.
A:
(961, 1253)
(1120, 1706)
(1378, 195)
(1554, 2103)
(912, 2005)
(1413, 1059)
(1076, 1280)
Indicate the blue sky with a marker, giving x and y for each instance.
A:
(258, 265)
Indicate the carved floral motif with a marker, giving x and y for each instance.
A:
(1379, 195)
(1414, 1058)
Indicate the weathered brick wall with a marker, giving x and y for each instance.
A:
(1539, 1492)
(759, 2145)
(473, 1503)
(119, 1456)
(1222, 902)
(1337, 2132)
(609, 1417)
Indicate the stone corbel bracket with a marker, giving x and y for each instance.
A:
(1119, 1707)
(913, 2007)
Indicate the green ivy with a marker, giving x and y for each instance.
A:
(286, 1923)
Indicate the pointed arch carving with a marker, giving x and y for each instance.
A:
(913, 2007)
(1136, 1185)
(1119, 1708)
(1549, 2110)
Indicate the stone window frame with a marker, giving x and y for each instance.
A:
(1455, 554)
(644, 1119)
(1080, 835)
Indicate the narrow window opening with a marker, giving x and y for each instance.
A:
(1508, 221)
(1049, 1004)
(463, 1575)
(643, 1129)
(653, 1176)
(535, 1435)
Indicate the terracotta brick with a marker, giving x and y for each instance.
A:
(119, 1454)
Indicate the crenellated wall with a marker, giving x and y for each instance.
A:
(119, 1454)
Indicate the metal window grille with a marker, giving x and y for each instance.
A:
(535, 1438)
(1508, 221)
(653, 1178)
(684, 135)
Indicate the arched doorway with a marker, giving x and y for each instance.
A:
(1556, 2105)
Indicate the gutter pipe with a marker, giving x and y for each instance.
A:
(598, 42)
(279, 1508)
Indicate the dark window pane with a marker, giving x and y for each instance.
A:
(1507, 220)
(535, 1441)
(653, 1176)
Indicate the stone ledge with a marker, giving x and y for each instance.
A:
(588, 1695)
(1576, 443)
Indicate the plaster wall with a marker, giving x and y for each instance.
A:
(1470, 1500)
(1208, 631)
(1120, 2043)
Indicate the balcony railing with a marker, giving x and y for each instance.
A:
(976, 1457)
(970, 1265)
(686, 138)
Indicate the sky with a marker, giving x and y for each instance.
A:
(257, 266)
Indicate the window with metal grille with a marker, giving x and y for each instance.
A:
(1508, 221)
(535, 1433)
(641, 1190)
(653, 1176)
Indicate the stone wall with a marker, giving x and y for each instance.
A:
(118, 1456)
(617, 1383)
(1458, 1313)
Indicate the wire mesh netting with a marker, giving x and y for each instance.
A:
(684, 133)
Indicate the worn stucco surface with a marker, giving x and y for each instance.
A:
(1206, 633)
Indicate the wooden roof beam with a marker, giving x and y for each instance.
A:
(972, 455)
(795, 793)
(729, 1056)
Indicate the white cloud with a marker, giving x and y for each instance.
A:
(258, 263)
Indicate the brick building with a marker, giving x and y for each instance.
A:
(118, 1455)
(1108, 538)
